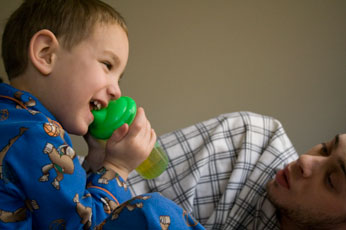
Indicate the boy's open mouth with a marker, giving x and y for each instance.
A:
(95, 105)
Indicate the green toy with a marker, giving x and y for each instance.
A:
(117, 113)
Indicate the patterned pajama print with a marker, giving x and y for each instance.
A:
(43, 186)
(217, 174)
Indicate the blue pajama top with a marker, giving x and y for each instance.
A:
(43, 185)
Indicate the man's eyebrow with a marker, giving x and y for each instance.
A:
(341, 162)
(336, 140)
(335, 143)
(342, 165)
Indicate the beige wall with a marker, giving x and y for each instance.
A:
(191, 60)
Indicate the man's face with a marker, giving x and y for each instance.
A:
(312, 189)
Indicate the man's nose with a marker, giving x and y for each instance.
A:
(308, 164)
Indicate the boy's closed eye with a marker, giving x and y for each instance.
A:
(108, 65)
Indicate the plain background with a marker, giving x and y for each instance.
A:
(191, 60)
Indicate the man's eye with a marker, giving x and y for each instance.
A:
(330, 182)
(324, 150)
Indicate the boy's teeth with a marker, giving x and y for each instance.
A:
(96, 105)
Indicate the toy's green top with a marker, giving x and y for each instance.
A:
(108, 119)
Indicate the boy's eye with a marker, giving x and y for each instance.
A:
(108, 65)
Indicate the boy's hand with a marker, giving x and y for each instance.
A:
(96, 154)
(128, 147)
(97, 149)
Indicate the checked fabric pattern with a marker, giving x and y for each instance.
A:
(219, 169)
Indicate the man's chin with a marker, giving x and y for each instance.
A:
(272, 193)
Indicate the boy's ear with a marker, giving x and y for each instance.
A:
(42, 51)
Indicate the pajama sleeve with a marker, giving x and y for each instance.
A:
(43, 185)
(150, 211)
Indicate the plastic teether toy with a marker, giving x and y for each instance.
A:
(115, 115)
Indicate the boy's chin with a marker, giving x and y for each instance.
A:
(80, 130)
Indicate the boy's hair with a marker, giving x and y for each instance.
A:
(71, 21)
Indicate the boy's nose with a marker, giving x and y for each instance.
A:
(309, 164)
(114, 92)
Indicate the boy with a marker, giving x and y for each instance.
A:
(63, 59)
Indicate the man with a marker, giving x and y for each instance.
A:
(240, 171)
(310, 193)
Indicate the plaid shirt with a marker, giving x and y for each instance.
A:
(219, 169)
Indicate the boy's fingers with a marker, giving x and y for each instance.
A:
(149, 129)
(146, 132)
(139, 123)
(120, 133)
(141, 128)
(153, 138)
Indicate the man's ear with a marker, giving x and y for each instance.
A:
(42, 51)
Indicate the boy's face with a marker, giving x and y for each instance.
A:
(86, 76)
(312, 190)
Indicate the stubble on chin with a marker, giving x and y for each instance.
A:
(300, 215)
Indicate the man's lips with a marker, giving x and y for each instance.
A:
(282, 178)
